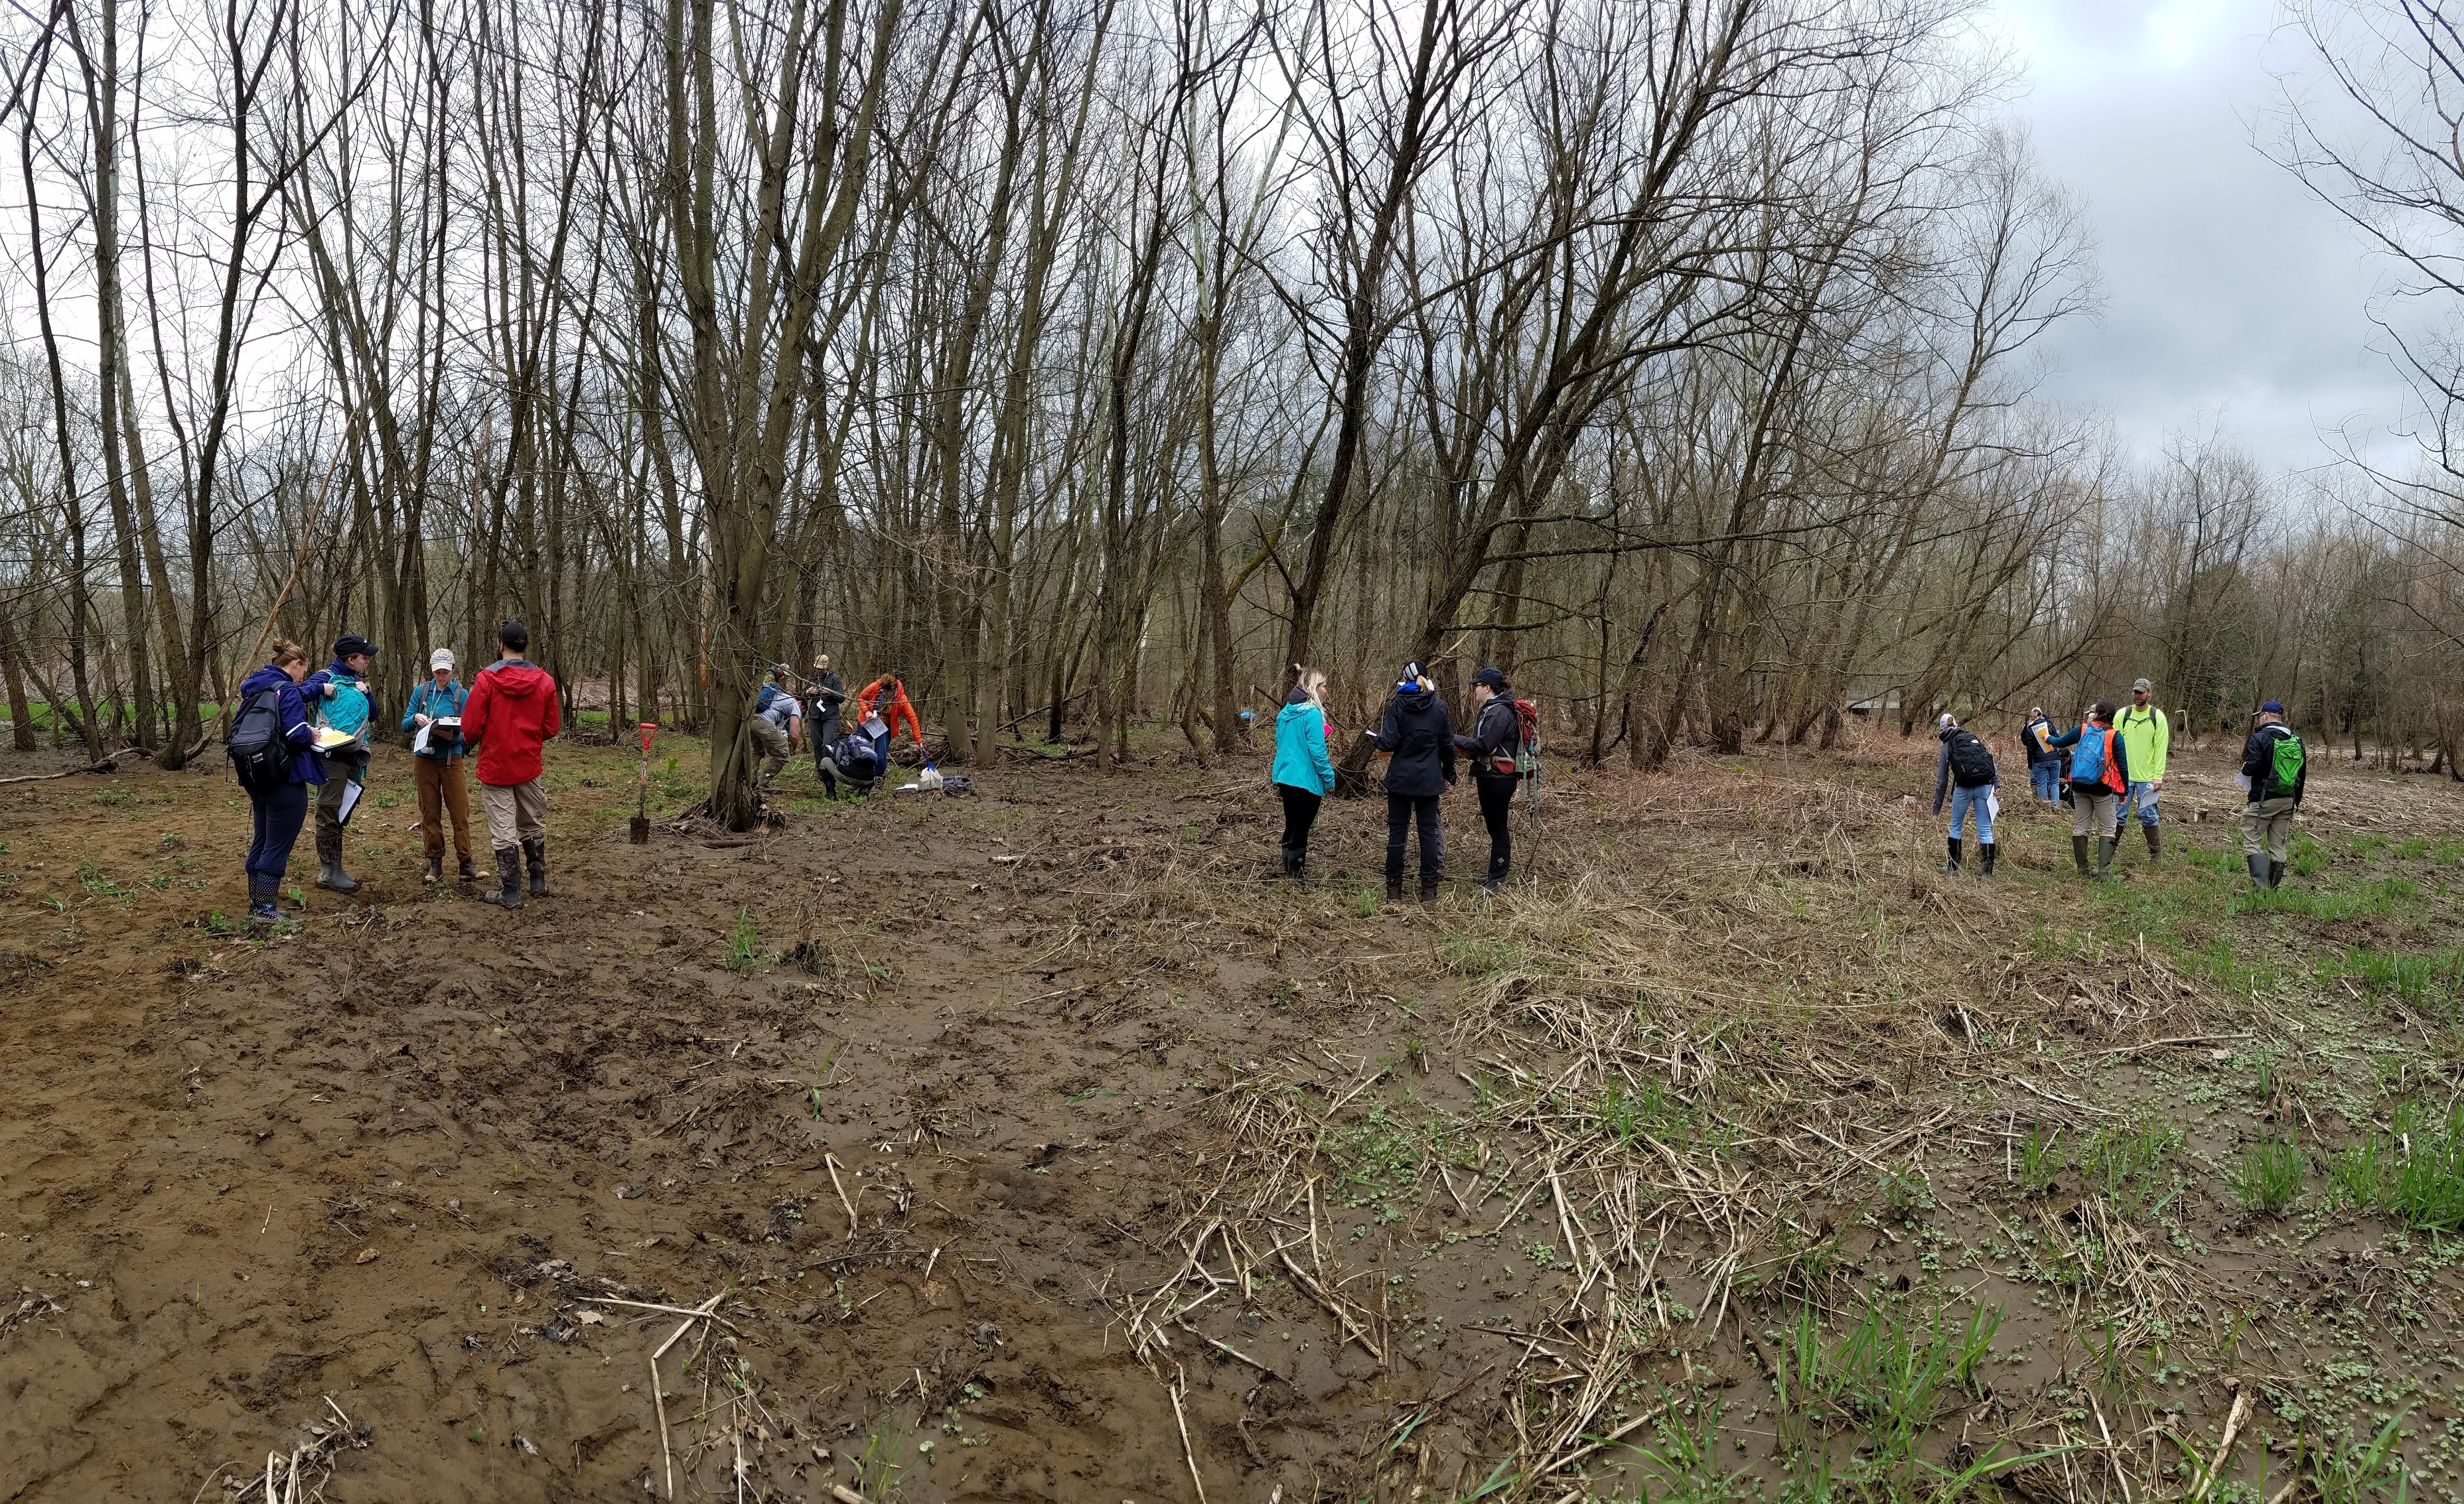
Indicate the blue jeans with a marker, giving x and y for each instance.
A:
(2143, 798)
(1962, 801)
(2046, 778)
(276, 816)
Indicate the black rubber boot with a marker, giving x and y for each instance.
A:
(329, 864)
(436, 872)
(508, 893)
(2105, 845)
(1951, 843)
(261, 902)
(469, 873)
(1429, 887)
(1394, 890)
(2276, 874)
(535, 852)
(2155, 844)
(1292, 861)
(2078, 853)
(1984, 858)
(2258, 871)
(1498, 867)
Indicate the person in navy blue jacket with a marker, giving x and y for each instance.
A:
(1419, 736)
(276, 810)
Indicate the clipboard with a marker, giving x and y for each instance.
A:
(352, 789)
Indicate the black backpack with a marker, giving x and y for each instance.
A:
(260, 754)
(1972, 764)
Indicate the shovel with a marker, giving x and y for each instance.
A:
(641, 831)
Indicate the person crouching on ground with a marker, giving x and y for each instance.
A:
(438, 764)
(2274, 767)
(511, 713)
(2044, 763)
(778, 721)
(278, 807)
(1303, 775)
(2100, 774)
(1419, 737)
(1496, 737)
(1966, 769)
(338, 696)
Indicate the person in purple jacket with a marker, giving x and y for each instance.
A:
(277, 809)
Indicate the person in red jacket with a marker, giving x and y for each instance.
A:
(891, 697)
(511, 712)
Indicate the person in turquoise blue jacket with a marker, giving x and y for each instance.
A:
(340, 698)
(1304, 773)
(437, 762)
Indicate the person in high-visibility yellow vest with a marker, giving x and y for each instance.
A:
(2146, 733)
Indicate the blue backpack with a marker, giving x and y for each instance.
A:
(856, 758)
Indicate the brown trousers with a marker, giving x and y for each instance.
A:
(441, 789)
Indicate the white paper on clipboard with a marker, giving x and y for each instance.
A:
(1993, 804)
(351, 791)
(419, 743)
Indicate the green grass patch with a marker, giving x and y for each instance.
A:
(2420, 978)
(2269, 1175)
(2413, 1172)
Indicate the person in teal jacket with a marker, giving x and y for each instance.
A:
(1304, 773)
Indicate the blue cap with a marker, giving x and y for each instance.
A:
(2271, 708)
(1494, 678)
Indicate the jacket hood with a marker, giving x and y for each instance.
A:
(516, 678)
(1298, 696)
(1294, 709)
(1417, 699)
(339, 670)
(1947, 733)
(265, 677)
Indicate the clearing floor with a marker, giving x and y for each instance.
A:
(1037, 1143)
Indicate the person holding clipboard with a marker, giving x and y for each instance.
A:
(434, 715)
(339, 696)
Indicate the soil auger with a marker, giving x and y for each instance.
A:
(640, 835)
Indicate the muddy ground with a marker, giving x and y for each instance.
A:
(1038, 1146)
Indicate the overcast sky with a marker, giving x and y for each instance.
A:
(2233, 296)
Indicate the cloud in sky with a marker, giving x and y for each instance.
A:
(2234, 297)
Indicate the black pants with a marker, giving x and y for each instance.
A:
(275, 814)
(1300, 813)
(1401, 809)
(1496, 797)
(825, 735)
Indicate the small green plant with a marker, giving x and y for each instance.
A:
(2414, 1172)
(2122, 1159)
(1685, 1462)
(2349, 1472)
(1364, 901)
(2270, 1175)
(216, 924)
(2038, 1159)
(877, 1473)
(744, 942)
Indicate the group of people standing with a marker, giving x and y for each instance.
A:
(1417, 735)
(320, 720)
(2111, 764)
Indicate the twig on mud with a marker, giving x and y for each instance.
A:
(1334, 1307)
(671, 1310)
(1227, 1349)
(291, 1470)
(1188, 1453)
(830, 1163)
(659, 1400)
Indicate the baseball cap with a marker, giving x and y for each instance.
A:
(1947, 722)
(2271, 708)
(1494, 678)
(442, 658)
(350, 642)
(2140, 687)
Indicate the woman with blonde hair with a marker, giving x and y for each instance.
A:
(1419, 738)
(277, 796)
(1304, 773)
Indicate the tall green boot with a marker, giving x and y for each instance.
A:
(2103, 857)
(2257, 865)
(2078, 853)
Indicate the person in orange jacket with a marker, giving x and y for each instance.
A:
(887, 697)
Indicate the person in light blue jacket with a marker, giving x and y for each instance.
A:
(1304, 773)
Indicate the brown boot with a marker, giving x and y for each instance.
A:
(2155, 844)
(1394, 890)
(1429, 887)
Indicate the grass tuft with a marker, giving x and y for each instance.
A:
(2269, 1176)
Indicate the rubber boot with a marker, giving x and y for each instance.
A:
(436, 872)
(1299, 865)
(1498, 867)
(1394, 890)
(2276, 874)
(1984, 858)
(2078, 853)
(468, 873)
(508, 893)
(1292, 863)
(1951, 843)
(2155, 844)
(2258, 871)
(535, 852)
(329, 864)
(261, 902)
(2105, 845)
(1429, 887)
